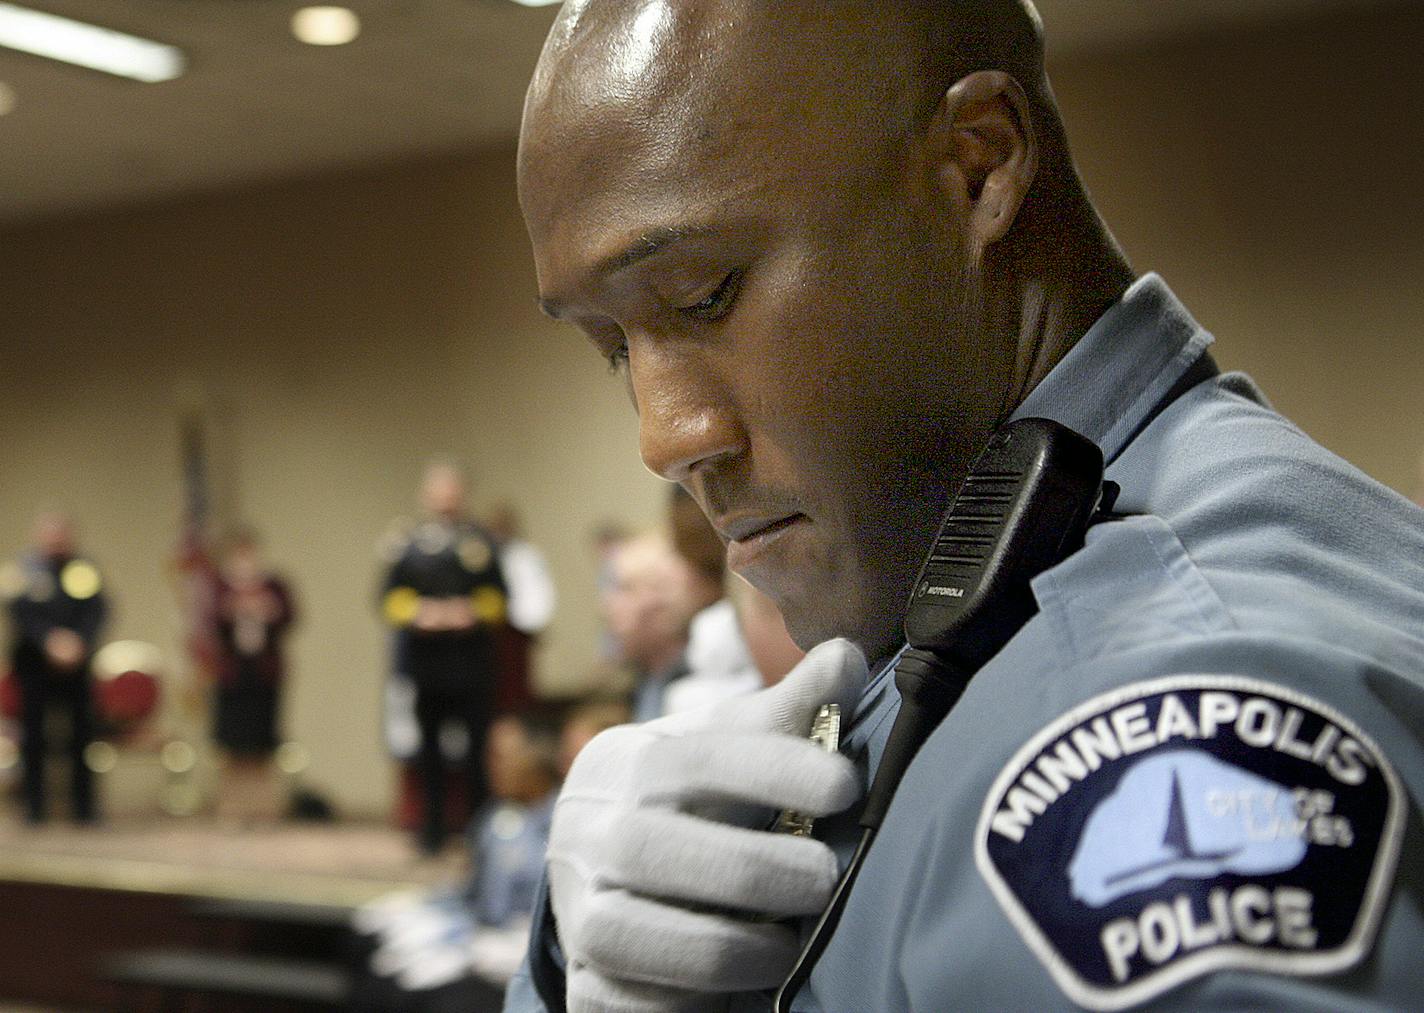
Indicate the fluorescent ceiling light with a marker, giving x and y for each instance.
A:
(325, 26)
(538, 3)
(88, 45)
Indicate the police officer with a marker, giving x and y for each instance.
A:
(831, 248)
(445, 598)
(57, 608)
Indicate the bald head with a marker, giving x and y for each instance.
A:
(650, 604)
(442, 489)
(667, 57)
(53, 534)
(692, 86)
(825, 244)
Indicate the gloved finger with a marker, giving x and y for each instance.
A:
(605, 766)
(675, 856)
(588, 991)
(734, 766)
(643, 940)
(832, 672)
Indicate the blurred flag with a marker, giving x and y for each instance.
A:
(195, 563)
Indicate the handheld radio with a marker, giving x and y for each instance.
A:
(1023, 508)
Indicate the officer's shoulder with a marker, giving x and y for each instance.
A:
(14, 579)
(1241, 521)
(395, 540)
(80, 579)
(1215, 782)
(1221, 466)
(475, 547)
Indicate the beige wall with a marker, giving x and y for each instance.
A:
(1277, 182)
(345, 328)
(343, 331)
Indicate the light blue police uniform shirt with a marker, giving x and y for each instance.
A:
(1251, 565)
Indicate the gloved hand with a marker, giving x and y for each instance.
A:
(648, 887)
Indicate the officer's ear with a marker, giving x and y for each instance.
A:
(984, 154)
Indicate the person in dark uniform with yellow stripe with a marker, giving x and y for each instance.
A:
(56, 603)
(445, 597)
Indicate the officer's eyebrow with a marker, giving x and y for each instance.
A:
(649, 243)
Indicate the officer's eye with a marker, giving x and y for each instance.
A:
(609, 341)
(717, 302)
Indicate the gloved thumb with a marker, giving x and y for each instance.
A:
(832, 672)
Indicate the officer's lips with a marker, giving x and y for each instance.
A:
(749, 537)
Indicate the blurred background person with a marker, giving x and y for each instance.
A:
(57, 608)
(255, 609)
(532, 600)
(649, 606)
(455, 948)
(719, 663)
(605, 539)
(764, 629)
(445, 598)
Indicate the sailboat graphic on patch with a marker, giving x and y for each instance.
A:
(1186, 815)
(1176, 839)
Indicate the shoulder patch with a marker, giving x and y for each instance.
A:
(394, 541)
(80, 580)
(1188, 824)
(475, 553)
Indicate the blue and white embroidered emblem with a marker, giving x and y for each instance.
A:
(1186, 824)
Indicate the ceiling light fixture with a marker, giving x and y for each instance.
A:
(88, 45)
(537, 3)
(325, 26)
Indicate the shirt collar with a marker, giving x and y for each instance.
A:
(1111, 380)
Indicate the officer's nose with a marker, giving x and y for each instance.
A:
(686, 416)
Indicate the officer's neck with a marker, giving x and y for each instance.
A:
(1050, 280)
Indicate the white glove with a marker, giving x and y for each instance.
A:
(641, 877)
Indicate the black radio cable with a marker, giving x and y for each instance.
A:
(1023, 508)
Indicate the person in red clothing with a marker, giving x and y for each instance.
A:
(254, 612)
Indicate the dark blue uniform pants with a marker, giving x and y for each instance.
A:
(454, 681)
(42, 690)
